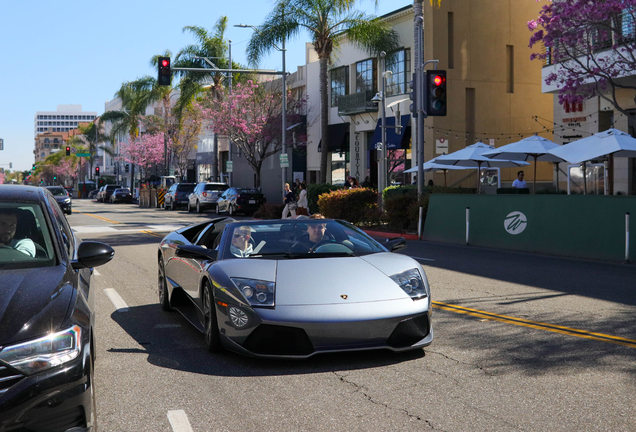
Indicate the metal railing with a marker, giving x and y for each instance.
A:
(357, 103)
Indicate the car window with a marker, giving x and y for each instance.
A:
(185, 188)
(57, 191)
(31, 236)
(65, 230)
(213, 187)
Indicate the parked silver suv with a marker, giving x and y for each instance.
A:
(205, 195)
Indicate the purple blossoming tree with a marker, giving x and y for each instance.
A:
(144, 151)
(593, 44)
(251, 118)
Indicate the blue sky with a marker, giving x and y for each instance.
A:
(79, 52)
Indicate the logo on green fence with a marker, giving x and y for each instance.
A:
(515, 223)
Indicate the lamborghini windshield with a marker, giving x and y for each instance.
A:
(299, 238)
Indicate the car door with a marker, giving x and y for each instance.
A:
(186, 271)
(222, 201)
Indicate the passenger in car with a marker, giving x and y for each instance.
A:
(8, 226)
(241, 245)
(316, 232)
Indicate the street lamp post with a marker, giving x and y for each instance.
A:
(284, 85)
(381, 99)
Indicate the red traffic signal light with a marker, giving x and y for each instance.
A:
(436, 93)
(97, 171)
(165, 75)
(68, 151)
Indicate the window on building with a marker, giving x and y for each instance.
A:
(46, 140)
(399, 63)
(339, 83)
(366, 76)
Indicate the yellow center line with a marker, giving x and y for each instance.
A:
(536, 324)
(100, 217)
(151, 233)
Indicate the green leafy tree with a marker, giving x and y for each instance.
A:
(328, 22)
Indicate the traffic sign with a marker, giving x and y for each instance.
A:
(228, 166)
(1, 144)
(83, 154)
(284, 160)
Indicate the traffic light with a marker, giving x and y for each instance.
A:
(33, 167)
(127, 168)
(68, 151)
(165, 75)
(97, 171)
(413, 97)
(10, 165)
(436, 94)
(115, 169)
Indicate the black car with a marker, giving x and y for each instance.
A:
(121, 195)
(106, 192)
(47, 314)
(62, 197)
(178, 195)
(240, 200)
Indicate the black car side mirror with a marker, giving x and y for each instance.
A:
(395, 244)
(92, 254)
(196, 252)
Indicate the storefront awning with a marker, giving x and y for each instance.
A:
(338, 134)
(394, 139)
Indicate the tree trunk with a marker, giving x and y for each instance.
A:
(324, 119)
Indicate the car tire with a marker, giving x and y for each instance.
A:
(172, 206)
(217, 209)
(230, 209)
(198, 207)
(162, 286)
(189, 208)
(212, 335)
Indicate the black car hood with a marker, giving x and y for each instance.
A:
(60, 198)
(33, 302)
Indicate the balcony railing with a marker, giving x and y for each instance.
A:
(357, 103)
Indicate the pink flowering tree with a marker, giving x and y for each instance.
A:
(593, 44)
(3, 177)
(252, 118)
(144, 151)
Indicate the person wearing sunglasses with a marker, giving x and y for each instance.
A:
(520, 183)
(241, 246)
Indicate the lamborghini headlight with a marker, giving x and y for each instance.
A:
(257, 292)
(412, 284)
(44, 353)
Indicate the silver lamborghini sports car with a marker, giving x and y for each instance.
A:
(294, 287)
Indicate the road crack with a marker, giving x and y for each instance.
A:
(364, 392)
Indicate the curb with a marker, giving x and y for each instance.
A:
(389, 235)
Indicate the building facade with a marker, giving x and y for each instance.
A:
(64, 119)
(494, 93)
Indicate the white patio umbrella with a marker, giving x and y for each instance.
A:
(472, 157)
(433, 166)
(609, 142)
(534, 148)
(600, 145)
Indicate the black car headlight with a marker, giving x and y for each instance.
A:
(412, 283)
(67, 200)
(44, 353)
(257, 292)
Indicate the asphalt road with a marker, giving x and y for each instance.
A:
(522, 343)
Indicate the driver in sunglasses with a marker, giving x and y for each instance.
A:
(241, 246)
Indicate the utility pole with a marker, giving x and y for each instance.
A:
(229, 153)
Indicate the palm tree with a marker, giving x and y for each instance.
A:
(91, 135)
(327, 22)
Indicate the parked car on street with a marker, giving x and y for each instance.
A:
(93, 194)
(178, 195)
(294, 287)
(106, 192)
(47, 311)
(205, 195)
(121, 195)
(240, 200)
(62, 197)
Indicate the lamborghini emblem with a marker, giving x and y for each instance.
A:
(344, 296)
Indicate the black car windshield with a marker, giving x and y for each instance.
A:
(25, 240)
(122, 191)
(57, 191)
(185, 187)
(298, 238)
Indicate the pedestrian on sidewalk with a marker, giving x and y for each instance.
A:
(290, 203)
(303, 204)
